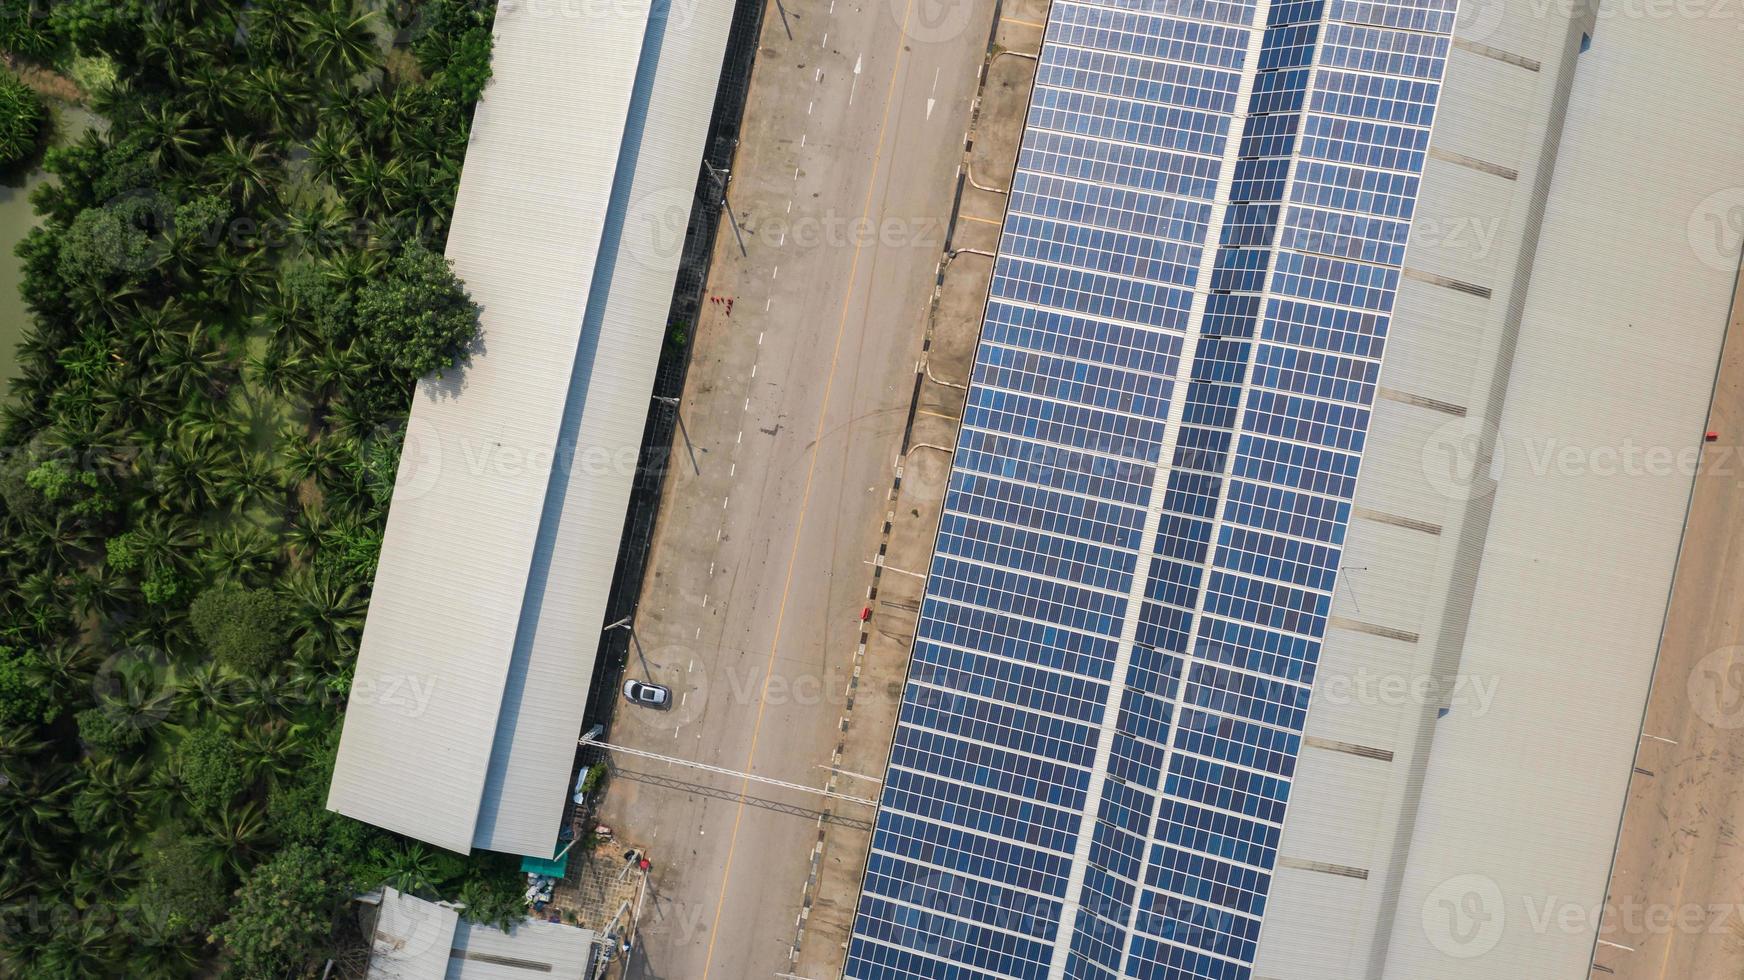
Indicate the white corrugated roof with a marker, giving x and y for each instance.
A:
(1542, 595)
(505, 524)
(530, 949)
(420, 940)
(412, 938)
(602, 431)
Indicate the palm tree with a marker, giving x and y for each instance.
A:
(302, 457)
(240, 553)
(338, 42)
(335, 145)
(245, 169)
(207, 688)
(82, 946)
(237, 277)
(212, 90)
(111, 792)
(160, 951)
(275, 96)
(96, 592)
(237, 834)
(319, 226)
(172, 134)
(328, 617)
(254, 479)
(272, 27)
(33, 809)
(277, 371)
(271, 752)
(65, 665)
(19, 746)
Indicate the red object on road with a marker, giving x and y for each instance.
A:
(1712, 435)
(865, 614)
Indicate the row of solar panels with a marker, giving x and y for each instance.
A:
(1093, 755)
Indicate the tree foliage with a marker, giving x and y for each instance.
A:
(243, 628)
(22, 119)
(24, 699)
(211, 768)
(235, 282)
(418, 319)
(284, 914)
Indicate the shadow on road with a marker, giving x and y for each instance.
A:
(685, 786)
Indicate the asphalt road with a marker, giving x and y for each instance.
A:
(792, 416)
(1676, 904)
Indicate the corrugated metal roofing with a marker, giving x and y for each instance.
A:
(541, 949)
(511, 495)
(412, 938)
(1536, 598)
(420, 940)
(602, 428)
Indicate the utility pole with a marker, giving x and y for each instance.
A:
(592, 739)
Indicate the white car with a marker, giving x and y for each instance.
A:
(650, 695)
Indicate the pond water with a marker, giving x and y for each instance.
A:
(16, 220)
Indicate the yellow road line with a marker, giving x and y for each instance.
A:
(985, 221)
(805, 498)
(1026, 23)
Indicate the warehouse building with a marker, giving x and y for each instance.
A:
(516, 471)
(1273, 629)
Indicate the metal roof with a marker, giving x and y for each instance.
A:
(1532, 588)
(412, 938)
(529, 950)
(421, 940)
(516, 472)
(601, 433)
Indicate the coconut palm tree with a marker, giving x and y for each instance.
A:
(207, 688)
(237, 833)
(335, 145)
(328, 617)
(244, 169)
(173, 135)
(240, 553)
(339, 40)
(161, 951)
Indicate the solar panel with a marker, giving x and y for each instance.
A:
(1148, 502)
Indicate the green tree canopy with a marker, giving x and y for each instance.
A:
(184, 889)
(24, 698)
(243, 628)
(106, 730)
(283, 915)
(211, 767)
(22, 120)
(418, 318)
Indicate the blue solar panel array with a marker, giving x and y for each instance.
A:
(1101, 723)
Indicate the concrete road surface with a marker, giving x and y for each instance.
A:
(795, 404)
(1676, 904)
